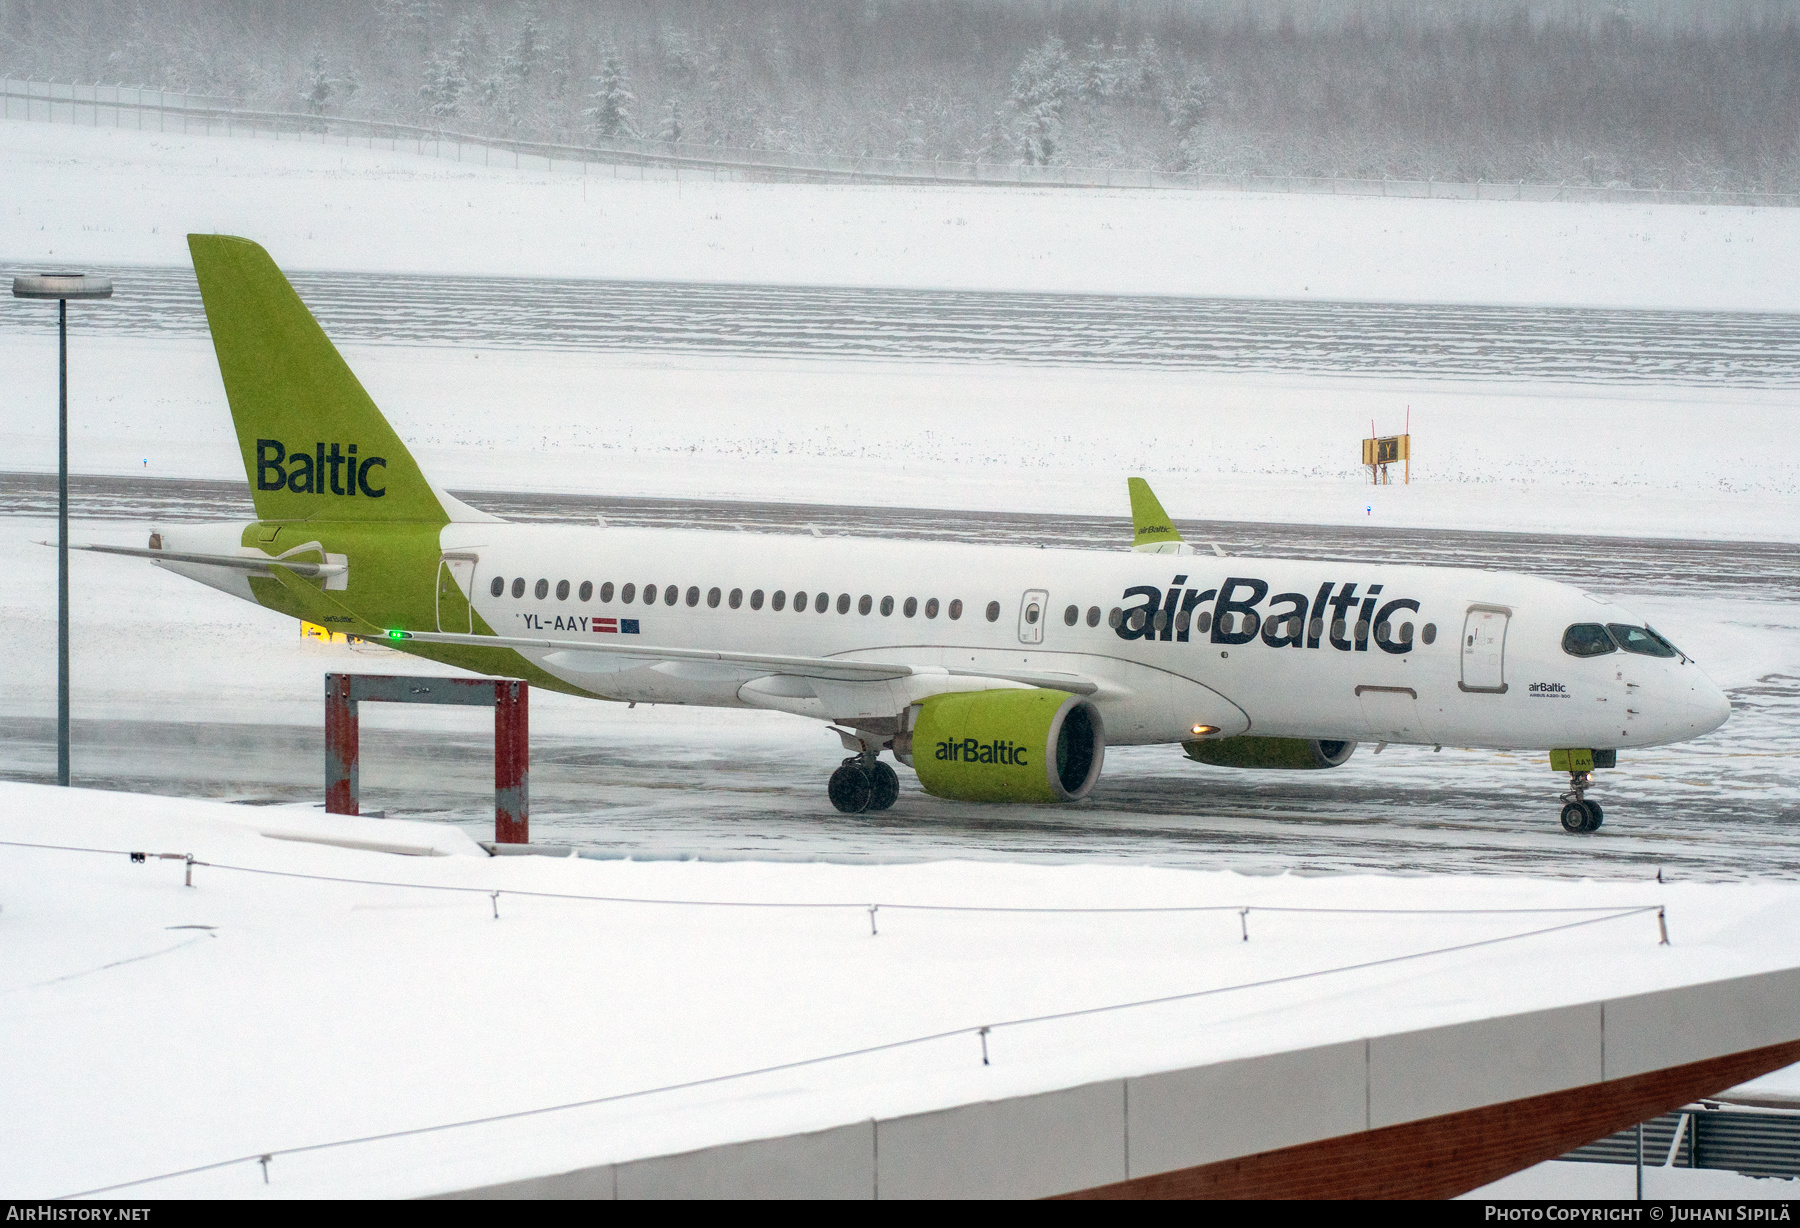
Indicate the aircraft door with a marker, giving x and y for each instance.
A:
(1484, 649)
(1032, 608)
(455, 583)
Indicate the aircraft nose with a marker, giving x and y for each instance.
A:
(1710, 706)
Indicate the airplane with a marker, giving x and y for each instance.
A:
(995, 673)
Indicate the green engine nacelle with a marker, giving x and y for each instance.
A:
(1292, 754)
(1008, 746)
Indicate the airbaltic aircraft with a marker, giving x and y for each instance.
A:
(995, 673)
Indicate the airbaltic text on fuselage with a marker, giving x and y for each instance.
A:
(314, 471)
(1235, 613)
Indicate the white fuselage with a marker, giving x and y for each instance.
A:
(1493, 673)
(1471, 658)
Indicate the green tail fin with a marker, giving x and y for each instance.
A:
(315, 447)
(1150, 524)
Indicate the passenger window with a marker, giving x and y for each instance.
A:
(1113, 618)
(1317, 628)
(606, 592)
(756, 600)
(542, 590)
(587, 591)
(1588, 640)
(887, 606)
(1203, 622)
(1406, 633)
(1136, 621)
(1641, 640)
(627, 593)
(562, 590)
(1071, 616)
(800, 600)
(672, 594)
(1429, 633)
(843, 603)
(931, 608)
(911, 607)
(497, 587)
(1093, 616)
(519, 587)
(778, 601)
(736, 599)
(956, 608)
(693, 598)
(1159, 620)
(822, 602)
(864, 604)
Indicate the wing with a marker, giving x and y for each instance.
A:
(825, 669)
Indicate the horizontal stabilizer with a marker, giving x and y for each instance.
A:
(239, 562)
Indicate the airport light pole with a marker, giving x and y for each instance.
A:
(62, 287)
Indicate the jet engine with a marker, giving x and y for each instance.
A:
(1004, 745)
(1301, 754)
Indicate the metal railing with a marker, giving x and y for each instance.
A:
(166, 111)
(1760, 1143)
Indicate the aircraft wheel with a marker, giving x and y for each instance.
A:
(1575, 818)
(1595, 815)
(850, 788)
(886, 786)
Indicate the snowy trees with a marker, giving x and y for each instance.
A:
(609, 112)
(1041, 85)
(318, 86)
(1677, 95)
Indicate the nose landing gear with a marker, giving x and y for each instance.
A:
(1579, 815)
(863, 782)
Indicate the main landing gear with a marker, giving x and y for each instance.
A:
(1579, 815)
(863, 782)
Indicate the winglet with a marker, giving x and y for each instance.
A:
(1152, 529)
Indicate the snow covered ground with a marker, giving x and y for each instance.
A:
(153, 1028)
(1632, 461)
(1629, 460)
(115, 195)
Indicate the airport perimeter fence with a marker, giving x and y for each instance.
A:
(121, 106)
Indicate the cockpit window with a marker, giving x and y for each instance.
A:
(1642, 640)
(1587, 640)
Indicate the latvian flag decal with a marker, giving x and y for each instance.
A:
(620, 626)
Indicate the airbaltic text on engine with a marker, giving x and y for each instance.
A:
(968, 750)
(305, 472)
(1290, 620)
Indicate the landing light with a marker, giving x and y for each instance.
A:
(1201, 731)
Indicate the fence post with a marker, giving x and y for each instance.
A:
(512, 750)
(341, 746)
